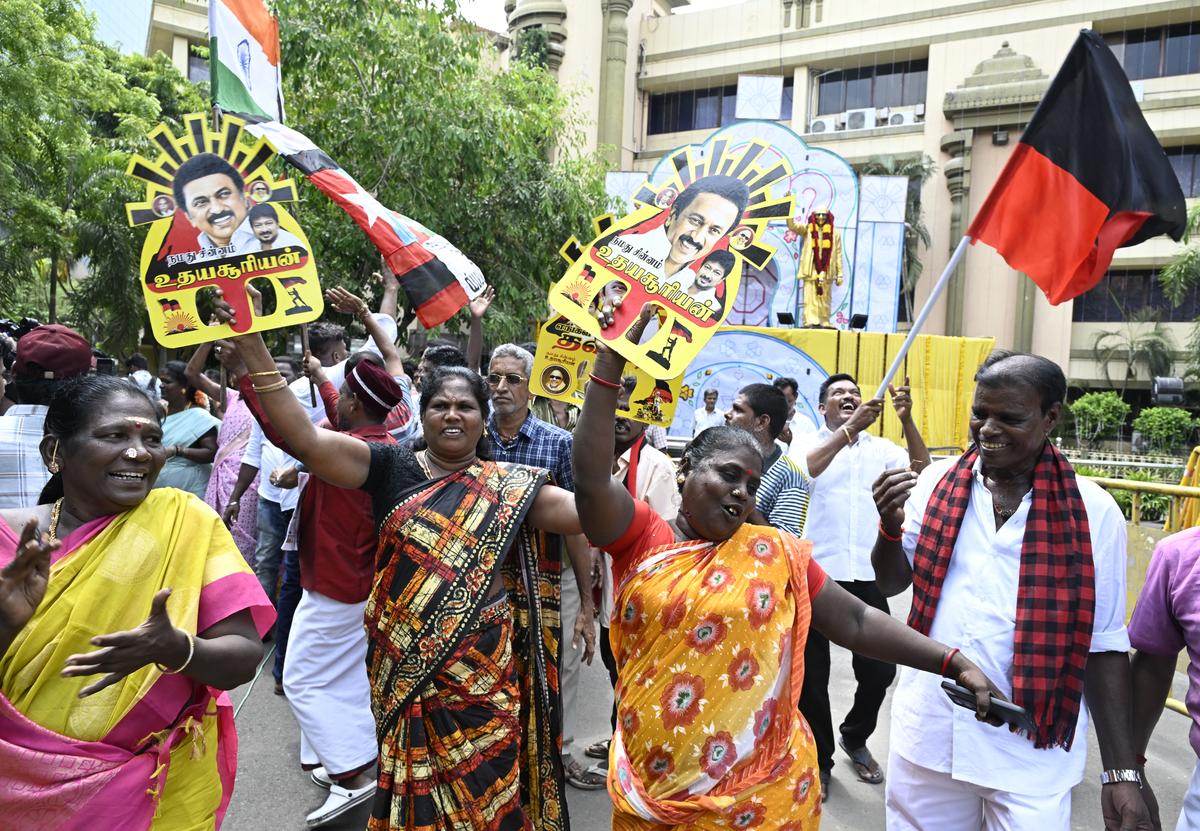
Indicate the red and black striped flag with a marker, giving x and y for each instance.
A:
(1087, 177)
(438, 279)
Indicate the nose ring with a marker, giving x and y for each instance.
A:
(130, 453)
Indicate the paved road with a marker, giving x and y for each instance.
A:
(272, 792)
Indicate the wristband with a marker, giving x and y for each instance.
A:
(883, 533)
(184, 665)
(946, 660)
(610, 384)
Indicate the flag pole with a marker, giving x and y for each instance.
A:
(938, 288)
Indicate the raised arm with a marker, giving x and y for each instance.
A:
(344, 301)
(194, 372)
(389, 303)
(820, 456)
(892, 570)
(918, 453)
(338, 459)
(478, 307)
(605, 506)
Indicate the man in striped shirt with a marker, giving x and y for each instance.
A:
(761, 410)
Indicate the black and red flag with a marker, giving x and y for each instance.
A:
(438, 279)
(1087, 177)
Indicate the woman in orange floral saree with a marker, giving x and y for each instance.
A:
(711, 619)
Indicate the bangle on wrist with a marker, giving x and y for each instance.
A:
(846, 430)
(946, 659)
(191, 654)
(604, 383)
(263, 374)
(889, 537)
(278, 385)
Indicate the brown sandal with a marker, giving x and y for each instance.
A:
(864, 763)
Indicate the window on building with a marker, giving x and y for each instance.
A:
(197, 70)
(1121, 294)
(703, 109)
(1158, 52)
(887, 85)
(1186, 161)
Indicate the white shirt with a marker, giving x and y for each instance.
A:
(977, 613)
(842, 517)
(704, 419)
(265, 456)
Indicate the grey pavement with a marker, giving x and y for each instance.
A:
(273, 793)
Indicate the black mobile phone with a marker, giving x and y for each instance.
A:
(1006, 711)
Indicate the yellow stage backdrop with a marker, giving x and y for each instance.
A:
(940, 369)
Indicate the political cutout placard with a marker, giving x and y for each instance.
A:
(217, 220)
(678, 256)
(565, 357)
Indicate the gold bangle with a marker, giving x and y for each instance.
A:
(260, 374)
(184, 665)
(849, 438)
(278, 385)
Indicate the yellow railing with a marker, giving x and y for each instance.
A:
(1182, 514)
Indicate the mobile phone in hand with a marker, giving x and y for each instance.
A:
(1006, 711)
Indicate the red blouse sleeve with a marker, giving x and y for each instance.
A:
(646, 530)
(330, 397)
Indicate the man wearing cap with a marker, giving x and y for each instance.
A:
(325, 676)
(46, 356)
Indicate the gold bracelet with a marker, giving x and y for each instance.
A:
(260, 374)
(278, 385)
(184, 665)
(849, 438)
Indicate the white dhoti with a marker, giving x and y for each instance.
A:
(920, 799)
(1189, 817)
(325, 679)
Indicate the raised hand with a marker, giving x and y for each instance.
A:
(891, 491)
(480, 304)
(23, 581)
(902, 400)
(864, 415)
(346, 302)
(121, 653)
(606, 303)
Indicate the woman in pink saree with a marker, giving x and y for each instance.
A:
(123, 614)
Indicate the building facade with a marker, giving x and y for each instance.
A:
(953, 82)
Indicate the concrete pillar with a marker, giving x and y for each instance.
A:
(610, 121)
(1026, 305)
(957, 145)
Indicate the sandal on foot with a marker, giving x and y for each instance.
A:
(864, 763)
(597, 750)
(588, 779)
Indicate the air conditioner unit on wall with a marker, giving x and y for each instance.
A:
(863, 119)
(901, 116)
(825, 124)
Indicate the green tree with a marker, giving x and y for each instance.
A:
(1141, 341)
(1166, 428)
(1097, 414)
(73, 112)
(916, 233)
(1181, 274)
(412, 103)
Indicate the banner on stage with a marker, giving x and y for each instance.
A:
(566, 355)
(217, 219)
(678, 256)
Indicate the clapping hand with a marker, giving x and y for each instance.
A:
(23, 581)
(121, 653)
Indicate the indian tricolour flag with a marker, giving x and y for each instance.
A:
(244, 56)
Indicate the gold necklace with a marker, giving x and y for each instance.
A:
(54, 514)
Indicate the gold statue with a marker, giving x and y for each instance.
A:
(820, 265)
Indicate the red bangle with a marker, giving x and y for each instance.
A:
(610, 384)
(946, 661)
(883, 533)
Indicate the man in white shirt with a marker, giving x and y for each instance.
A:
(709, 416)
(1021, 565)
(267, 235)
(842, 461)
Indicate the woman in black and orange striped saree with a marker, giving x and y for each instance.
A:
(463, 616)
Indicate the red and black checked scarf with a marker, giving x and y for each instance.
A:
(1056, 593)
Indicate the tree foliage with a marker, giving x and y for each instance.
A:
(73, 112)
(411, 102)
(1166, 428)
(1098, 414)
(1141, 341)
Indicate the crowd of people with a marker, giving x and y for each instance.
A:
(428, 550)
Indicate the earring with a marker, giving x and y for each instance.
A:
(130, 453)
(54, 466)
